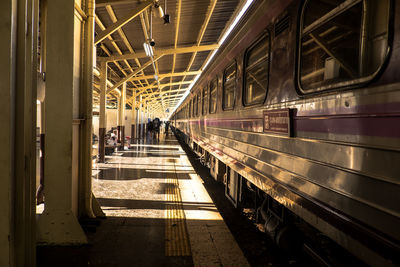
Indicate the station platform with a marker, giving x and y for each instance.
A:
(158, 211)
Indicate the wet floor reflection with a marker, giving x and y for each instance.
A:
(147, 154)
(150, 148)
(109, 203)
(134, 174)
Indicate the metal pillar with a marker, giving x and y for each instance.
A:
(102, 115)
(86, 113)
(146, 116)
(134, 111)
(58, 225)
(18, 50)
(118, 119)
(41, 96)
(140, 117)
(40, 190)
(121, 118)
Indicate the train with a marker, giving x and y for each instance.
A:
(302, 105)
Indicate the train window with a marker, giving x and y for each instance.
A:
(256, 72)
(342, 42)
(191, 108)
(199, 103)
(229, 87)
(213, 95)
(205, 101)
(194, 106)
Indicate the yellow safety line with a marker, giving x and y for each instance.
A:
(176, 234)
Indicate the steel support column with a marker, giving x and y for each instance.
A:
(141, 128)
(58, 225)
(18, 50)
(121, 22)
(134, 114)
(86, 112)
(102, 114)
(121, 117)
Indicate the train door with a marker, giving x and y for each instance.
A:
(232, 186)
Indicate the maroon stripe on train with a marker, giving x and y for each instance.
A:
(385, 126)
(380, 125)
(388, 108)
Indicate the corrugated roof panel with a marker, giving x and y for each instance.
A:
(221, 15)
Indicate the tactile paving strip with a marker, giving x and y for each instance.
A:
(176, 234)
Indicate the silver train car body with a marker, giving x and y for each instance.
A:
(333, 154)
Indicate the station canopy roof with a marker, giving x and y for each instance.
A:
(125, 31)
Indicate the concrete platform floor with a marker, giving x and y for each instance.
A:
(158, 212)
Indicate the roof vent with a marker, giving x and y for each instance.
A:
(281, 25)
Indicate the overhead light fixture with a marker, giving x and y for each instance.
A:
(166, 16)
(152, 42)
(148, 49)
(166, 19)
(235, 21)
(160, 11)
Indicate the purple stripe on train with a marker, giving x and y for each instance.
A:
(367, 126)
(372, 125)
(356, 110)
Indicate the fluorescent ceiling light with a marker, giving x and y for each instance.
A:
(209, 59)
(229, 30)
(148, 49)
(233, 24)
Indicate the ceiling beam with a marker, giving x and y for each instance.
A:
(161, 51)
(121, 22)
(148, 63)
(210, 11)
(105, 49)
(125, 40)
(164, 92)
(102, 3)
(178, 21)
(165, 75)
(165, 97)
(164, 85)
(153, 85)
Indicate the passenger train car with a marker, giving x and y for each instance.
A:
(302, 103)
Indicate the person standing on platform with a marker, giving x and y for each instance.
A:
(166, 127)
(156, 128)
(150, 127)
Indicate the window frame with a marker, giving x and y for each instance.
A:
(216, 95)
(349, 84)
(223, 86)
(267, 36)
(191, 108)
(204, 105)
(198, 96)
(195, 106)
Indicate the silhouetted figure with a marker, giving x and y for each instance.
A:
(156, 127)
(150, 127)
(166, 127)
